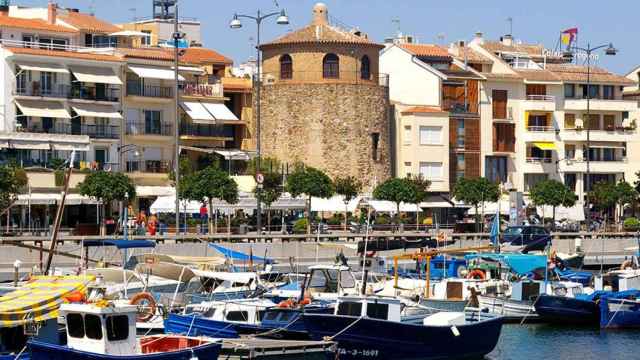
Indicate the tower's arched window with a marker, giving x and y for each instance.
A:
(286, 67)
(331, 66)
(365, 68)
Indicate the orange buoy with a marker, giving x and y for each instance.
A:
(75, 297)
(148, 309)
(476, 274)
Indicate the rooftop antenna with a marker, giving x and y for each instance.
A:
(440, 38)
(510, 21)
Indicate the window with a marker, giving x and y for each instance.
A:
(570, 181)
(47, 124)
(52, 44)
(377, 311)
(431, 170)
(237, 316)
(609, 122)
(496, 169)
(117, 327)
(22, 80)
(460, 135)
(331, 66)
(569, 121)
(538, 154)
(593, 121)
(75, 325)
(569, 91)
(593, 93)
(430, 135)
(608, 92)
(407, 168)
(460, 166)
(93, 326)
(536, 89)
(499, 104)
(270, 316)
(530, 180)
(375, 142)
(286, 67)
(46, 82)
(608, 154)
(146, 40)
(27, 40)
(538, 123)
(152, 122)
(504, 138)
(365, 68)
(569, 152)
(346, 280)
(350, 308)
(406, 137)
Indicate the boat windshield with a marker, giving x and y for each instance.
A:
(513, 231)
(347, 280)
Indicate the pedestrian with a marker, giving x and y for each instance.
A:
(204, 215)
(152, 224)
(141, 223)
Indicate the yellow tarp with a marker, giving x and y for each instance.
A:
(545, 145)
(40, 299)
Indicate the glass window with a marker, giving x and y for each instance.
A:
(609, 122)
(430, 135)
(570, 181)
(513, 230)
(365, 68)
(375, 141)
(75, 325)
(331, 66)
(347, 280)
(237, 316)
(569, 91)
(569, 151)
(286, 67)
(117, 327)
(270, 315)
(146, 40)
(496, 168)
(318, 280)
(152, 122)
(608, 92)
(431, 170)
(46, 82)
(406, 137)
(593, 121)
(530, 180)
(377, 311)
(350, 308)
(460, 165)
(93, 326)
(460, 133)
(286, 316)
(569, 121)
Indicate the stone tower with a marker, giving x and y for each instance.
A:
(325, 103)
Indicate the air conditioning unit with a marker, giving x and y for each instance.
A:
(510, 113)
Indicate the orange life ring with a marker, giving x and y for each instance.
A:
(138, 300)
(627, 264)
(75, 297)
(442, 237)
(476, 274)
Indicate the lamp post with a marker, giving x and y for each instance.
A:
(237, 24)
(177, 36)
(610, 50)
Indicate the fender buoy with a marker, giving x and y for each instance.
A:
(148, 309)
(476, 274)
(442, 237)
(627, 264)
(287, 304)
(75, 297)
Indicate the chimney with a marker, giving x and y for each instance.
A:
(320, 14)
(479, 37)
(507, 40)
(52, 10)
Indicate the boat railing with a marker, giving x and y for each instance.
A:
(475, 315)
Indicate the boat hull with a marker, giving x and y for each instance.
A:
(364, 338)
(567, 311)
(43, 351)
(437, 305)
(619, 313)
(511, 310)
(194, 325)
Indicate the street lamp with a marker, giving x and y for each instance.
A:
(235, 23)
(611, 51)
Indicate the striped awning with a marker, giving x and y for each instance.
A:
(40, 299)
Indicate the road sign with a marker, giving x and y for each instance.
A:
(259, 178)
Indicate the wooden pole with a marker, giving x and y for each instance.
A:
(427, 290)
(56, 224)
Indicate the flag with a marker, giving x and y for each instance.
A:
(495, 230)
(569, 36)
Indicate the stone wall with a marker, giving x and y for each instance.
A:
(329, 126)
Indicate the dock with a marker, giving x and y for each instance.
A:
(267, 349)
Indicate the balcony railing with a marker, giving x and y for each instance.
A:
(134, 88)
(226, 131)
(149, 166)
(541, 98)
(540, 128)
(539, 160)
(459, 107)
(203, 90)
(93, 131)
(149, 128)
(83, 92)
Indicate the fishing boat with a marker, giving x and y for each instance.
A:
(371, 327)
(620, 310)
(104, 330)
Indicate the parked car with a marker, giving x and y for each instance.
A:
(527, 238)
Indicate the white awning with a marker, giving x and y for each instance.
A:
(70, 147)
(55, 68)
(234, 154)
(334, 204)
(149, 191)
(574, 213)
(100, 75)
(606, 147)
(390, 207)
(130, 33)
(220, 112)
(167, 204)
(197, 112)
(147, 72)
(435, 202)
(38, 199)
(491, 208)
(190, 69)
(96, 110)
(40, 108)
(29, 145)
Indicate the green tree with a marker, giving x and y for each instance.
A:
(349, 187)
(475, 192)
(552, 193)
(422, 192)
(603, 195)
(397, 191)
(267, 165)
(12, 181)
(311, 182)
(208, 184)
(107, 187)
(626, 194)
(271, 191)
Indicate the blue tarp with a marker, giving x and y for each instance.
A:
(239, 256)
(121, 244)
(520, 264)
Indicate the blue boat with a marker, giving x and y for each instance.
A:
(562, 310)
(620, 310)
(372, 328)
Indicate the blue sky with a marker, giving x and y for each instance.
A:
(538, 21)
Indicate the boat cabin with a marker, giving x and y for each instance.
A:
(373, 307)
(245, 311)
(618, 280)
(327, 280)
(101, 329)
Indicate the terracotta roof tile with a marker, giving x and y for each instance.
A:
(64, 54)
(501, 76)
(232, 83)
(423, 110)
(33, 24)
(321, 33)
(195, 55)
(198, 56)
(427, 50)
(88, 23)
(472, 55)
(529, 49)
(578, 73)
(539, 75)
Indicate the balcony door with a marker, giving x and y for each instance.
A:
(76, 126)
(152, 122)
(101, 157)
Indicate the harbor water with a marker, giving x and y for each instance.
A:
(541, 341)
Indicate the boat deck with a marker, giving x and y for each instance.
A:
(267, 349)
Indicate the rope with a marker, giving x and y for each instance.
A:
(330, 338)
(20, 353)
(619, 309)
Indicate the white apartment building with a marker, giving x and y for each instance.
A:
(538, 101)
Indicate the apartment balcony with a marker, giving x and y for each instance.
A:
(64, 91)
(616, 165)
(149, 129)
(222, 132)
(459, 108)
(93, 131)
(540, 103)
(149, 166)
(134, 88)
(202, 90)
(539, 165)
(600, 105)
(617, 134)
(540, 133)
